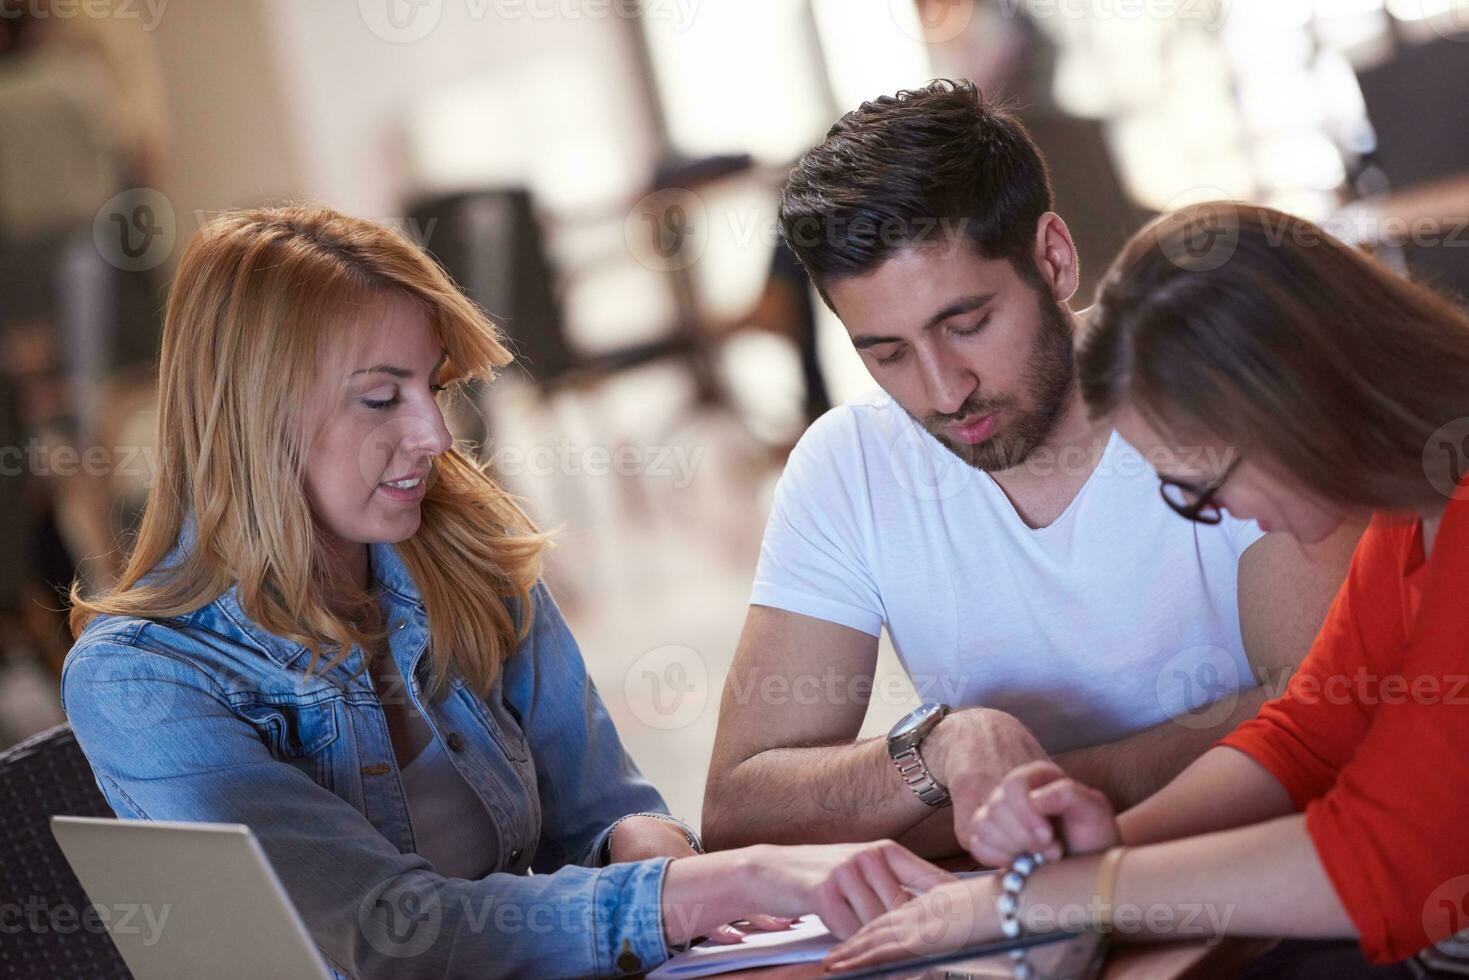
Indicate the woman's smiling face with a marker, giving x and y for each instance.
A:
(378, 428)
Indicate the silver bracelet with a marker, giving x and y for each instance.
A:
(605, 857)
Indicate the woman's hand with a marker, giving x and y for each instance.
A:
(845, 884)
(640, 838)
(1017, 817)
(942, 920)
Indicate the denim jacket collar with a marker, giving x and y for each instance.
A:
(388, 571)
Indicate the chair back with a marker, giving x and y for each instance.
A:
(59, 934)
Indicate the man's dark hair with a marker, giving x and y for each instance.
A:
(907, 170)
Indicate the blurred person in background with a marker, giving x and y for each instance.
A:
(332, 628)
(1337, 391)
(1001, 47)
(81, 119)
(1042, 598)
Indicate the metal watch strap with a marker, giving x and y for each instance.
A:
(915, 773)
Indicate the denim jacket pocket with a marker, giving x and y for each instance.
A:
(295, 733)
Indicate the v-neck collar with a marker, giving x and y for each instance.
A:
(1071, 505)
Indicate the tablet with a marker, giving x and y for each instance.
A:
(1050, 956)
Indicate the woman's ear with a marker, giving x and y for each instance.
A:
(1055, 256)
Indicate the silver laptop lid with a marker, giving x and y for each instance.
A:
(189, 899)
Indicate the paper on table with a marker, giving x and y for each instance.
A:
(805, 942)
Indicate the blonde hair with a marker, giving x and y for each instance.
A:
(256, 306)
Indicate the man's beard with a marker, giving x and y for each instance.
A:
(1049, 378)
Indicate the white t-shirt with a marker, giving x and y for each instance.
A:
(1116, 616)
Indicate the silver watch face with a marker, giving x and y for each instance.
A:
(918, 721)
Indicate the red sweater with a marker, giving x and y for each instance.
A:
(1371, 737)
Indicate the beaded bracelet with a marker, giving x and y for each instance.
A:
(1012, 883)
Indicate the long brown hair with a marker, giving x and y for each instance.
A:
(257, 304)
(1258, 328)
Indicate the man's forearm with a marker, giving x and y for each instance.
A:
(1136, 767)
(812, 795)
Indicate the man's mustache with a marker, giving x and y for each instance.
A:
(974, 408)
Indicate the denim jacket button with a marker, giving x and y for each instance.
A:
(628, 962)
(456, 742)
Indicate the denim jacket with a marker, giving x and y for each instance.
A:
(208, 717)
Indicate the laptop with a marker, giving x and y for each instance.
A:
(189, 899)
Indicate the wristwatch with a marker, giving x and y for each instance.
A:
(903, 743)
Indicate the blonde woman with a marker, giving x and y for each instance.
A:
(331, 628)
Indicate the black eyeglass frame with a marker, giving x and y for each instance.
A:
(1204, 496)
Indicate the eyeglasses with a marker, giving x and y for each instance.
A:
(1193, 501)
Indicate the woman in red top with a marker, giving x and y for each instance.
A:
(1293, 380)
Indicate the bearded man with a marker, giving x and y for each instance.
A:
(1043, 596)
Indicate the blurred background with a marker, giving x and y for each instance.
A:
(601, 176)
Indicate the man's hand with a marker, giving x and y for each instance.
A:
(970, 752)
(640, 838)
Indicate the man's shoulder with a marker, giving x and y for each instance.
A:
(872, 417)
